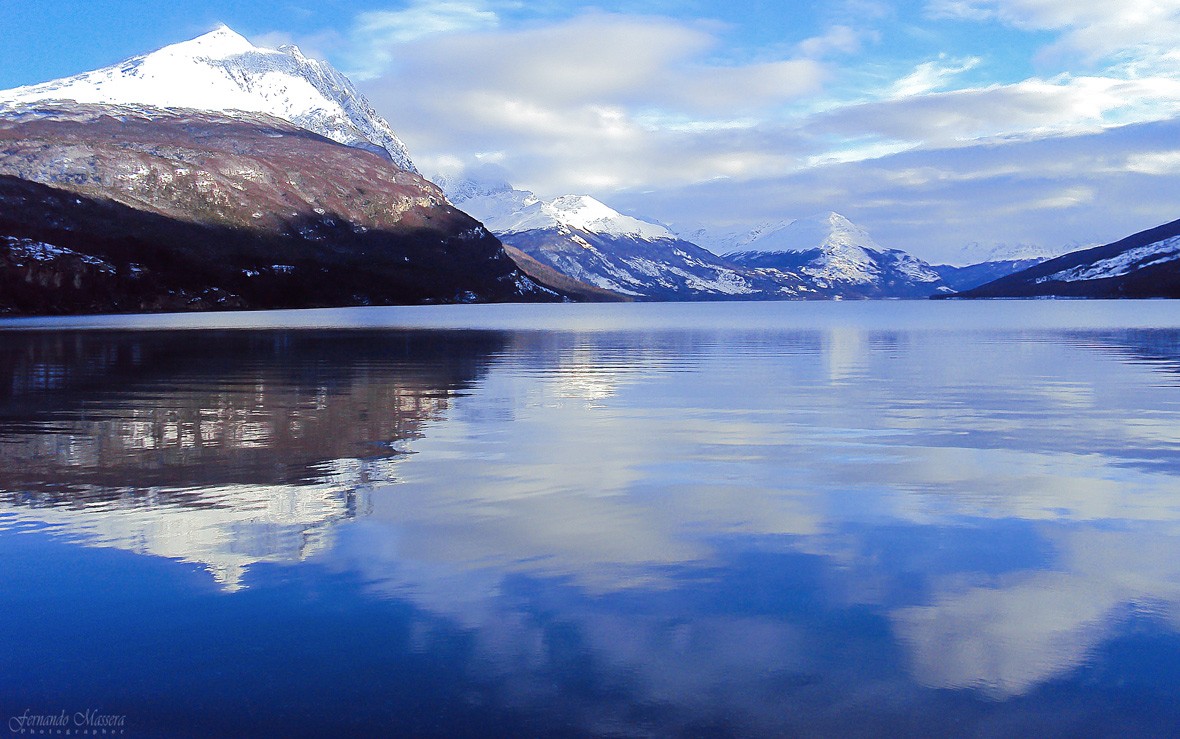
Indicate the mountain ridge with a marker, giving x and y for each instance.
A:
(840, 258)
(221, 71)
(213, 174)
(821, 256)
(589, 241)
(1143, 265)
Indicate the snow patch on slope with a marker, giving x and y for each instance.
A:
(221, 71)
(911, 267)
(39, 251)
(1167, 250)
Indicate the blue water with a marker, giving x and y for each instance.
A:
(776, 519)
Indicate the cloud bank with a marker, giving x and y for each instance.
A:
(679, 120)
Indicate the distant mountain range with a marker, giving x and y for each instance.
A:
(839, 259)
(1144, 265)
(217, 175)
(588, 241)
(824, 256)
(959, 279)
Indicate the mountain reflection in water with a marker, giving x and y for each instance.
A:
(224, 449)
(818, 531)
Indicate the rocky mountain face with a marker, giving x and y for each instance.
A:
(112, 209)
(1144, 265)
(590, 242)
(550, 278)
(838, 259)
(650, 270)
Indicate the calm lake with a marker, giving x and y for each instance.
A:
(759, 519)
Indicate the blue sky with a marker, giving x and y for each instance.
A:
(936, 124)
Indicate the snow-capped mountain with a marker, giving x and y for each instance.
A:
(504, 210)
(221, 71)
(587, 240)
(838, 258)
(727, 239)
(1144, 265)
(825, 256)
(107, 208)
(581, 212)
(976, 253)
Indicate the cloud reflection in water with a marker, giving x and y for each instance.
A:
(706, 524)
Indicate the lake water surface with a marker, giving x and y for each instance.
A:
(819, 519)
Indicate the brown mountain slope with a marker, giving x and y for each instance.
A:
(106, 208)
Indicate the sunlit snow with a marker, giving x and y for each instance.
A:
(222, 71)
(1122, 264)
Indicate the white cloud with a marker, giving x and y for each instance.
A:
(1054, 191)
(1091, 28)
(1032, 108)
(598, 101)
(972, 10)
(603, 59)
(654, 115)
(606, 102)
(375, 32)
(1070, 197)
(932, 75)
(837, 40)
(1155, 163)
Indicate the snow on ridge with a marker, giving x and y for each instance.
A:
(825, 231)
(585, 213)
(505, 210)
(912, 267)
(501, 210)
(730, 238)
(221, 71)
(844, 247)
(221, 43)
(837, 252)
(976, 253)
(1122, 264)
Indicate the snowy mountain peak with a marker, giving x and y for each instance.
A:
(220, 43)
(460, 189)
(834, 252)
(221, 71)
(824, 231)
(586, 213)
(505, 210)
